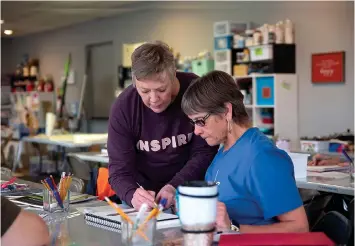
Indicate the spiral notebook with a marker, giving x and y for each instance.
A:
(109, 220)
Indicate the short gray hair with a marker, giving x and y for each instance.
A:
(152, 59)
(211, 92)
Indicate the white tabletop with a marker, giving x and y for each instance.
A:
(91, 156)
(71, 229)
(69, 140)
(339, 183)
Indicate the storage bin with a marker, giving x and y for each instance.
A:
(223, 56)
(337, 146)
(299, 161)
(223, 66)
(265, 92)
(261, 52)
(223, 42)
(240, 70)
(203, 66)
(314, 146)
(222, 28)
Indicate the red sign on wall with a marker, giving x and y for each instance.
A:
(328, 67)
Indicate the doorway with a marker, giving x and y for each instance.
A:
(101, 82)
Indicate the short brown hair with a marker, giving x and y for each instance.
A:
(210, 93)
(152, 59)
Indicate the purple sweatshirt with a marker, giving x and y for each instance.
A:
(153, 149)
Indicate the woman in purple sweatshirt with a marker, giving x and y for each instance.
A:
(151, 145)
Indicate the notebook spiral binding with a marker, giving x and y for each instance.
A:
(96, 221)
(89, 223)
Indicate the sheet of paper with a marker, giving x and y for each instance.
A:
(25, 203)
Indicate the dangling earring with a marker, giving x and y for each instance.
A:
(229, 126)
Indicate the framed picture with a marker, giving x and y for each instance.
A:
(328, 67)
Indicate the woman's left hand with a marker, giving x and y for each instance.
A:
(223, 222)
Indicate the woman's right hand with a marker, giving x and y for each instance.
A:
(141, 196)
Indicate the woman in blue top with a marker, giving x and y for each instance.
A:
(257, 189)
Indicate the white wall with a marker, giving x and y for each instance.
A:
(320, 27)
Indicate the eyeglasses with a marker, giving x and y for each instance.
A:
(200, 122)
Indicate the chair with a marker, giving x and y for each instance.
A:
(315, 208)
(4, 142)
(336, 226)
(103, 187)
(351, 211)
(6, 172)
(351, 218)
(80, 169)
(77, 185)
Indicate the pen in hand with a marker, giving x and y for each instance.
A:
(155, 204)
(139, 185)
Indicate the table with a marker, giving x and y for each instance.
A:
(77, 140)
(91, 156)
(343, 186)
(81, 162)
(73, 230)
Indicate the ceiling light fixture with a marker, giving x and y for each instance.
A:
(8, 32)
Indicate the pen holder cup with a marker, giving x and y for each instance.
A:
(140, 235)
(59, 232)
(51, 204)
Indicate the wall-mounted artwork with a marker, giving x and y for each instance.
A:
(328, 67)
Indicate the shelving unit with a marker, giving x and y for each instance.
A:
(271, 101)
(265, 58)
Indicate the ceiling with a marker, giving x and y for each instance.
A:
(25, 17)
(28, 17)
